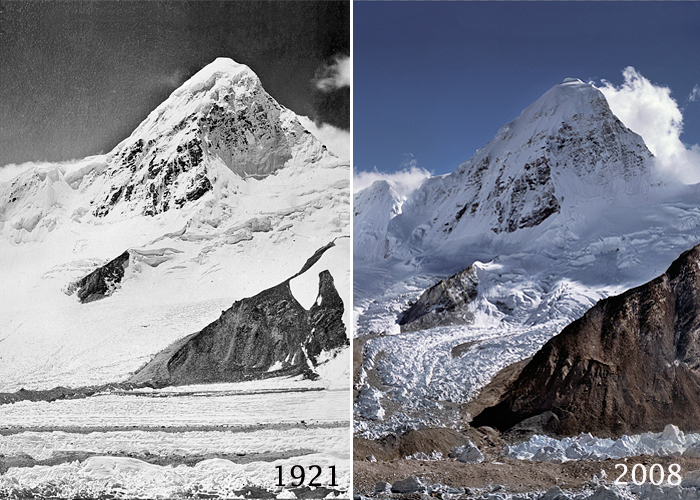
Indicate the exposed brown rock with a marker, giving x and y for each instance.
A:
(264, 336)
(631, 364)
(443, 303)
(392, 446)
(102, 281)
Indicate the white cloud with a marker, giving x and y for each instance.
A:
(335, 139)
(407, 180)
(9, 172)
(649, 110)
(175, 78)
(695, 94)
(336, 75)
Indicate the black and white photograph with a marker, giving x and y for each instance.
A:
(175, 249)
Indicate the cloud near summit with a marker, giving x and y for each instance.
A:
(407, 180)
(335, 76)
(649, 110)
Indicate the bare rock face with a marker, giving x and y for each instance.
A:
(443, 304)
(101, 282)
(264, 336)
(631, 364)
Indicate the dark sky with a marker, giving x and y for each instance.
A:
(77, 77)
(436, 80)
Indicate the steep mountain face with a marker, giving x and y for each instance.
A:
(631, 363)
(222, 116)
(268, 335)
(373, 208)
(221, 112)
(218, 194)
(566, 147)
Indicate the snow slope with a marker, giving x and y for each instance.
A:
(219, 194)
(562, 208)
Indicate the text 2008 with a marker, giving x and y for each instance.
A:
(656, 474)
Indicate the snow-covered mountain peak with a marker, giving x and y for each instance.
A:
(222, 69)
(571, 103)
(217, 195)
(221, 117)
(373, 208)
(564, 151)
(198, 147)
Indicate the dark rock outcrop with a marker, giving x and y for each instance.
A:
(264, 336)
(631, 364)
(102, 281)
(443, 304)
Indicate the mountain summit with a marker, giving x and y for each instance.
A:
(220, 121)
(221, 114)
(566, 147)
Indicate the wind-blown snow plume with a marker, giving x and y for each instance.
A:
(407, 180)
(649, 110)
(8, 172)
(337, 139)
(694, 94)
(336, 75)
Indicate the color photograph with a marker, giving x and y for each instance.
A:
(525, 220)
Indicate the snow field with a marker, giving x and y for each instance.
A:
(143, 411)
(155, 443)
(129, 478)
(186, 267)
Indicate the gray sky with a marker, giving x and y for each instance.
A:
(77, 77)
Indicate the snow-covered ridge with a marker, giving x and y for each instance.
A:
(373, 208)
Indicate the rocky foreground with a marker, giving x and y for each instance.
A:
(485, 473)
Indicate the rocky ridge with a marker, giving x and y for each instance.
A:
(443, 304)
(630, 364)
(268, 335)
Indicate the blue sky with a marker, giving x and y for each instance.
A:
(434, 81)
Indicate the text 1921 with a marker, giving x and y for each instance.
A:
(656, 474)
(298, 473)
